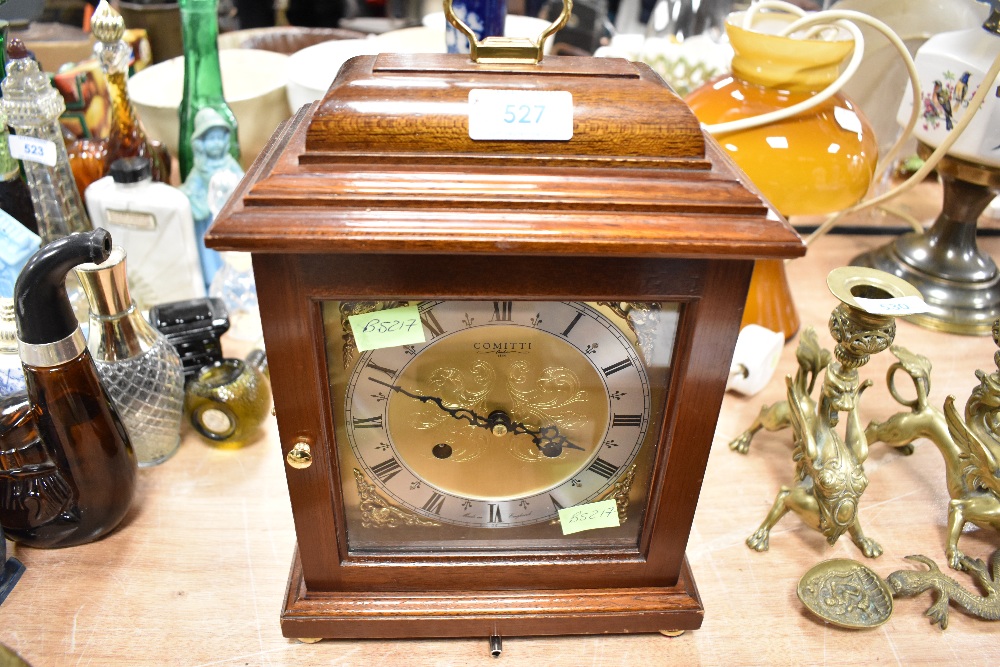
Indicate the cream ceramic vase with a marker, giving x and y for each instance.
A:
(951, 67)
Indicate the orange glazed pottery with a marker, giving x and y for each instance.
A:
(819, 161)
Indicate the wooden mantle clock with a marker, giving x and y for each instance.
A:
(468, 335)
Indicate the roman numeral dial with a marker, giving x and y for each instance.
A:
(508, 412)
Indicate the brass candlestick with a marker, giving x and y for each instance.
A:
(830, 477)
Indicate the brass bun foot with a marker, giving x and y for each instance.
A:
(308, 640)
(959, 283)
(672, 633)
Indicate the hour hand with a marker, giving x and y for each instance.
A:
(548, 439)
(551, 442)
(458, 413)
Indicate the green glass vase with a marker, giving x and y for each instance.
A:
(202, 77)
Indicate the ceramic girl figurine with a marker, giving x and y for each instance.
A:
(212, 160)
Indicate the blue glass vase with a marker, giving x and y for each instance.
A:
(485, 17)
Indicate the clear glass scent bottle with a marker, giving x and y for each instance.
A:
(139, 368)
(33, 107)
(152, 222)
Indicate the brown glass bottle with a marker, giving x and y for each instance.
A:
(67, 469)
(15, 199)
(126, 138)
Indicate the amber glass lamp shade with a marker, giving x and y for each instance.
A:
(820, 161)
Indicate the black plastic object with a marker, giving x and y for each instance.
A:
(194, 327)
(131, 169)
(11, 569)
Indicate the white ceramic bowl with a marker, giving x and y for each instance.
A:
(253, 83)
(515, 25)
(313, 69)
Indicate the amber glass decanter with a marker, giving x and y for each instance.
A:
(67, 469)
(15, 198)
(127, 138)
(820, 161)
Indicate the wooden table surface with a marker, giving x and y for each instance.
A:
(196, 574)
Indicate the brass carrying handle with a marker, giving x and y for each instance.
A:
(507, 50)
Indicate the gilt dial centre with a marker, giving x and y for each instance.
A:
(519, 375)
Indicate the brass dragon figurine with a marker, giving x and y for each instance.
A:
(811, 360)
(829, 477)
(970, 446)
(829, 472)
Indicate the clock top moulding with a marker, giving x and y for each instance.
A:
(384, 164)
(377, 192)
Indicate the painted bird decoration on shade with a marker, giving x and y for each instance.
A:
(943, 98)
(961, 89)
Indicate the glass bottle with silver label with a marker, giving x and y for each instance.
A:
(152, 222)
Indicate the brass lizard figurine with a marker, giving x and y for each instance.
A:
(907, 583)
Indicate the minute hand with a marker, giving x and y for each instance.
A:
(548, 439)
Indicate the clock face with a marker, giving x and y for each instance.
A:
(506, 413)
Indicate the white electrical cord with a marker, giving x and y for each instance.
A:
(984, 89)
(815, 24)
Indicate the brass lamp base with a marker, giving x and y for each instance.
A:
(959, 283)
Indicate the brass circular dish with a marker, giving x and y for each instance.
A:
(846, 593)
(8, 658)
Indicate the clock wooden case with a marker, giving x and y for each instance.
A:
(580, 301)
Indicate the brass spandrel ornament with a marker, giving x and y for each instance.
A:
(620, 492)
(641, 319)
(349, 308)
(829, 468)
(377, 512)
